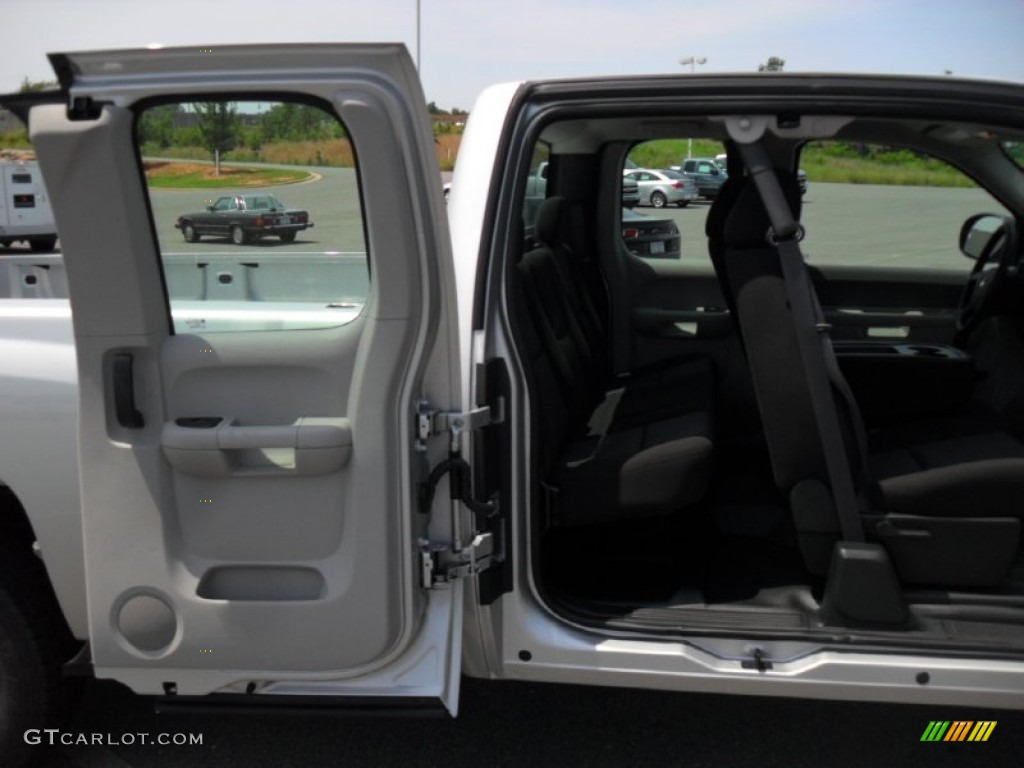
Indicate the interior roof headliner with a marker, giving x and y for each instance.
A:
(975, 148)
(590, 134)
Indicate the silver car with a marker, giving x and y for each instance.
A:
(661, 188)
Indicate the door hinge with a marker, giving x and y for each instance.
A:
(430, 422)
(440, 564)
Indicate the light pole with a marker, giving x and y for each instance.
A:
(693, 61)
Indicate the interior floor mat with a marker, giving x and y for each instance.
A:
(636, 560)
(744, 569)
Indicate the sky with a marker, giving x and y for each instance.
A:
(466, 45)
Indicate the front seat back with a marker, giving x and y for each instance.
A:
(970, 544)
(780, 375)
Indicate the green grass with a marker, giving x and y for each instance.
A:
(835, 162)
(857, 171)
(330, 152)
(15, 140)
(665, 152)
(848, 163)
(234, 178)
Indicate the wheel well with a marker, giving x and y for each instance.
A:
(14, 523)
(17, 539)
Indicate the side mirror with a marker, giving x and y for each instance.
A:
(981, 233)
(715, 172)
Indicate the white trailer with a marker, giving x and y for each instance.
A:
(25, 213)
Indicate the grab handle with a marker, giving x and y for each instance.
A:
(128, 415)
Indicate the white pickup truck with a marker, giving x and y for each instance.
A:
(520, 451)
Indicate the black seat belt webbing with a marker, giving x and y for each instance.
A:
(812, 339)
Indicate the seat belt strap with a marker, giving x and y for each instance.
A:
(812, 337)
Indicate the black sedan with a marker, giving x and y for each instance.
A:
(649, 237)
(244, 218)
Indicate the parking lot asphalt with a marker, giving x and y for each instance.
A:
(524, 724)
(846, 223)
(331, 198)
(864, 224)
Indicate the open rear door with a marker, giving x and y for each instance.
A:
(248, 408)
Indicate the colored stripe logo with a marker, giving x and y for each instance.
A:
(958, 730)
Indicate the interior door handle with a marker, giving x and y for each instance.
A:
(212, 446)
(128, 415)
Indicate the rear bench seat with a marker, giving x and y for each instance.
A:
(612, 447)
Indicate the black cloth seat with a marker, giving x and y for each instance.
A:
(564, 293)
(922, 486)
(650, 469)
(971, 470)
(613, 447)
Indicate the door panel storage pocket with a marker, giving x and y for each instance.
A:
(261, 582)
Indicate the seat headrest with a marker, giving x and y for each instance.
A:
(714, 224)
(747, 222)
(734, 164)
(549, 216)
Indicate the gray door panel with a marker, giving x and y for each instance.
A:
(869, 303)
(247, 497)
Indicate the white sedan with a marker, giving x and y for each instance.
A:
(661, 188)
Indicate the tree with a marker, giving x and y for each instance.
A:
(774, 64)
(28, 86)
(219, 127)
(157, 125)
(296, 122)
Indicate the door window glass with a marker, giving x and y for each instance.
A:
(884, 206)
(864, 204)
(257, 213)
(536, 186)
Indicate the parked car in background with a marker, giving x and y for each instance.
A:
(649, 237)
(630, 192)
(244, 218)
(661, 188)
(706, 173)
